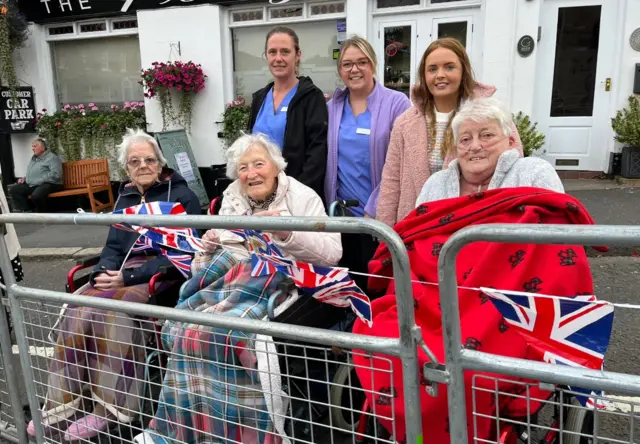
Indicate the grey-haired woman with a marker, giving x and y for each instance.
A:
(212, 391)
(101, 352)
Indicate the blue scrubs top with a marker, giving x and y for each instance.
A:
(354, 158)
(273, 124)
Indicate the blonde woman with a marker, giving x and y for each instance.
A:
(361, 116)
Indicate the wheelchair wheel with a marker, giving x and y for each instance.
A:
(578, 420)
(346, 398)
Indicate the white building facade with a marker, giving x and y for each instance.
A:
(569, 64)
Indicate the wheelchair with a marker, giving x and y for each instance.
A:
(167, 297)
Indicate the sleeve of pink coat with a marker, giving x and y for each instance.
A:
(514, 133)
(389, 196)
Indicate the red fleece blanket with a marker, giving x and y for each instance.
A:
(560, 270)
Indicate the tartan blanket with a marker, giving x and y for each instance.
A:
(212, 389)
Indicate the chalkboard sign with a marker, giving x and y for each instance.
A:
(176, 148)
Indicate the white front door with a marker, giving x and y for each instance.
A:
(573, 87)
(400, 43)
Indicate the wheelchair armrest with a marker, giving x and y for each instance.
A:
(284, 288)
(81, 264)
(165, 272)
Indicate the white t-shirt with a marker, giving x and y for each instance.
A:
(435, 158)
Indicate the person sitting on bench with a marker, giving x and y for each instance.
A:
(44, 176)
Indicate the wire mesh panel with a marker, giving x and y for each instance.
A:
(6, 415)
(536, 412)
(109, 377)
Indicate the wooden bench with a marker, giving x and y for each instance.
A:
(87, 177)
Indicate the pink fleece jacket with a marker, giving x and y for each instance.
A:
(407, 168)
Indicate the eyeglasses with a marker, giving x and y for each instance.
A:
(348, 65)
(487, 140)
(136, 163)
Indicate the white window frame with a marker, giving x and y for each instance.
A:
(267, 20)
(425, 5)
(77, 35)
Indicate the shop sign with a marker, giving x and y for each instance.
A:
(43, 11)
(17, 111)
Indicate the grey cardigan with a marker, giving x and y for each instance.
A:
(511, 171)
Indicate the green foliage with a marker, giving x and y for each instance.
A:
(626, 124)
(532, 139)
(235, 120)
(79, 132)
(13, 34)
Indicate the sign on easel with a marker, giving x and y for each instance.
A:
(177, 150)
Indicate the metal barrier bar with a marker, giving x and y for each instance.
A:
(459, 360)
(405, 347)
(5, 339)
(308, 334)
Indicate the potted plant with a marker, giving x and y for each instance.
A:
(626, 125)
(235, 120)
(13, 34)
(532, 139)
(187, 78)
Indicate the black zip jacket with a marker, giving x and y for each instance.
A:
(305, 134)
(170, 188)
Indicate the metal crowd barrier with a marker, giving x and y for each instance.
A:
(34, 309)
(548, 376)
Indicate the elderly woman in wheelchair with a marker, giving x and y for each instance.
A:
(221, 368)
(96, 366)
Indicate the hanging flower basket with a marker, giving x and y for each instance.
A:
(187, 78)
(13, 34)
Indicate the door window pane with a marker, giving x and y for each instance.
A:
(397, 58)
(576, 60)
(317, 42)
(396, 3)
(456, 30)
(103, 71)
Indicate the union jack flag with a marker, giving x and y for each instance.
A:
(330, 285)
(182, 239)
(177, 244)
(567, 331)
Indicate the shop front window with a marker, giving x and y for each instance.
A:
(318, 40)
(102, 71)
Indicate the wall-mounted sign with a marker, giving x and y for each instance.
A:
(44, 11)
(634, 40)
(17, 112)
(526, 44)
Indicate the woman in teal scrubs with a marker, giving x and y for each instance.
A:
(292, 111)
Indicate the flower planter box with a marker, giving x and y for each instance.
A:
(630, 167)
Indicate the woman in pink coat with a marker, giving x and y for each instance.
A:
(421, 141)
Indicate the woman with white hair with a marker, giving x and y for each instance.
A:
(487, 156)
(211, 390)
(102, 351)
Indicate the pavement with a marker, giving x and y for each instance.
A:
(608, 203)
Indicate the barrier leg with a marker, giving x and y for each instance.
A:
(23, 347)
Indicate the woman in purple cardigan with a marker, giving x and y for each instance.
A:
(361, 116)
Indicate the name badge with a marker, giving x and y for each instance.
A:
(284, 109)
(365, 131)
